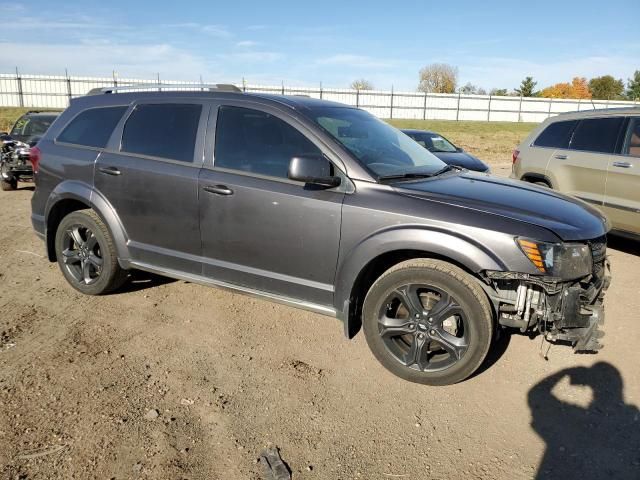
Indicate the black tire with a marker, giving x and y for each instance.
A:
(541, 183)
(86, 254)
(456, 326)
(9, 184)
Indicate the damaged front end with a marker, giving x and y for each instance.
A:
(563, 310)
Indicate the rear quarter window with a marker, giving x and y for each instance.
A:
(162, 130)
(556, 135)
(93, 127)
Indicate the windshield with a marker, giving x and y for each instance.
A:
(435, 143)
(377, 145)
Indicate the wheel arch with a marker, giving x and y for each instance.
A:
(537, 177)
(369, 259)
(71, 196)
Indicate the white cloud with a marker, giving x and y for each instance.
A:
(247, 44)
(129, 60)
(358, 61)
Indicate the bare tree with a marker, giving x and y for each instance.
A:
(361, 84)
(438, 78)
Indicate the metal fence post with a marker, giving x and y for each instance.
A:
(357, 98)
(66, 74)
(424, 107)
(391, 112)
(520, 110)
(320, 90)
(20, 92)
(458, 107)
(489, 110)
(550, 103)
(282, 88)
(115, 78)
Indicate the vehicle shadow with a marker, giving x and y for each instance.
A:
(597, 442)
(624, 244)
(27, 187)
(139, 280)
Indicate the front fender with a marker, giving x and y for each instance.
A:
(82, 192)
(440, 243)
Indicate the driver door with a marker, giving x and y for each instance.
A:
(258, 228)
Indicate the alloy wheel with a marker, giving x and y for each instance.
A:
(423, 327)
(82, 255)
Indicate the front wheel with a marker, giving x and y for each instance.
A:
(427, 321)
(86, 254)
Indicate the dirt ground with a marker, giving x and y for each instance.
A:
(171, 380)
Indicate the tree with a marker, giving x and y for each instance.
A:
(578, 88)
(438, 78)
(361, 84)
(606, 87)
(633, 86)
(499, 92)
(469, 89)
(527, 87)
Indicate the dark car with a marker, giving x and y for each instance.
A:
(15, 164)
(319, 206)
(31, 126)
(446, 151)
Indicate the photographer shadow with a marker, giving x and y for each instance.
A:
(597, 442)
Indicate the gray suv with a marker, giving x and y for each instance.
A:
(319, 206)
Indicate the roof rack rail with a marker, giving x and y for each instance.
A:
(210, 87)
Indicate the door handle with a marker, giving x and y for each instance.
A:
(110, 170)
(560, 157)
(218, 189)
(622, 164)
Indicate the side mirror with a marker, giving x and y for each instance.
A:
(314, 170)
(459, 150)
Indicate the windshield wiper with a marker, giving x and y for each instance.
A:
(401, 176)
(413, 175)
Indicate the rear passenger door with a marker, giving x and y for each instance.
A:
(622, 199)
(150, 177)
(581, 169)
(260, 229)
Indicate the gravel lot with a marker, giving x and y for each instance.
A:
(166, 379)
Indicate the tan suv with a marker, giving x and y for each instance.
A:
(592, 155)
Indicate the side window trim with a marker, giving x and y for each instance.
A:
(115, 142)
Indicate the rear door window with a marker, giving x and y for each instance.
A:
(556, 135)
(257, 142)
(164, 130)
(93, 127)
(598, 135)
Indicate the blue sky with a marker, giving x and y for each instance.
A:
(493, 44)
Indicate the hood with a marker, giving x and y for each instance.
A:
(462, 159)
(567, 217)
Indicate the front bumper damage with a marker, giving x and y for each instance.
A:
(568, 312)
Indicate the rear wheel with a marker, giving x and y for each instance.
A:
(86, 254)
(427, 321)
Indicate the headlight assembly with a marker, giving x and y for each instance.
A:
(562, 260)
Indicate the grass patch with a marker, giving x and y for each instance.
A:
(8, 116)
(492, 142)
